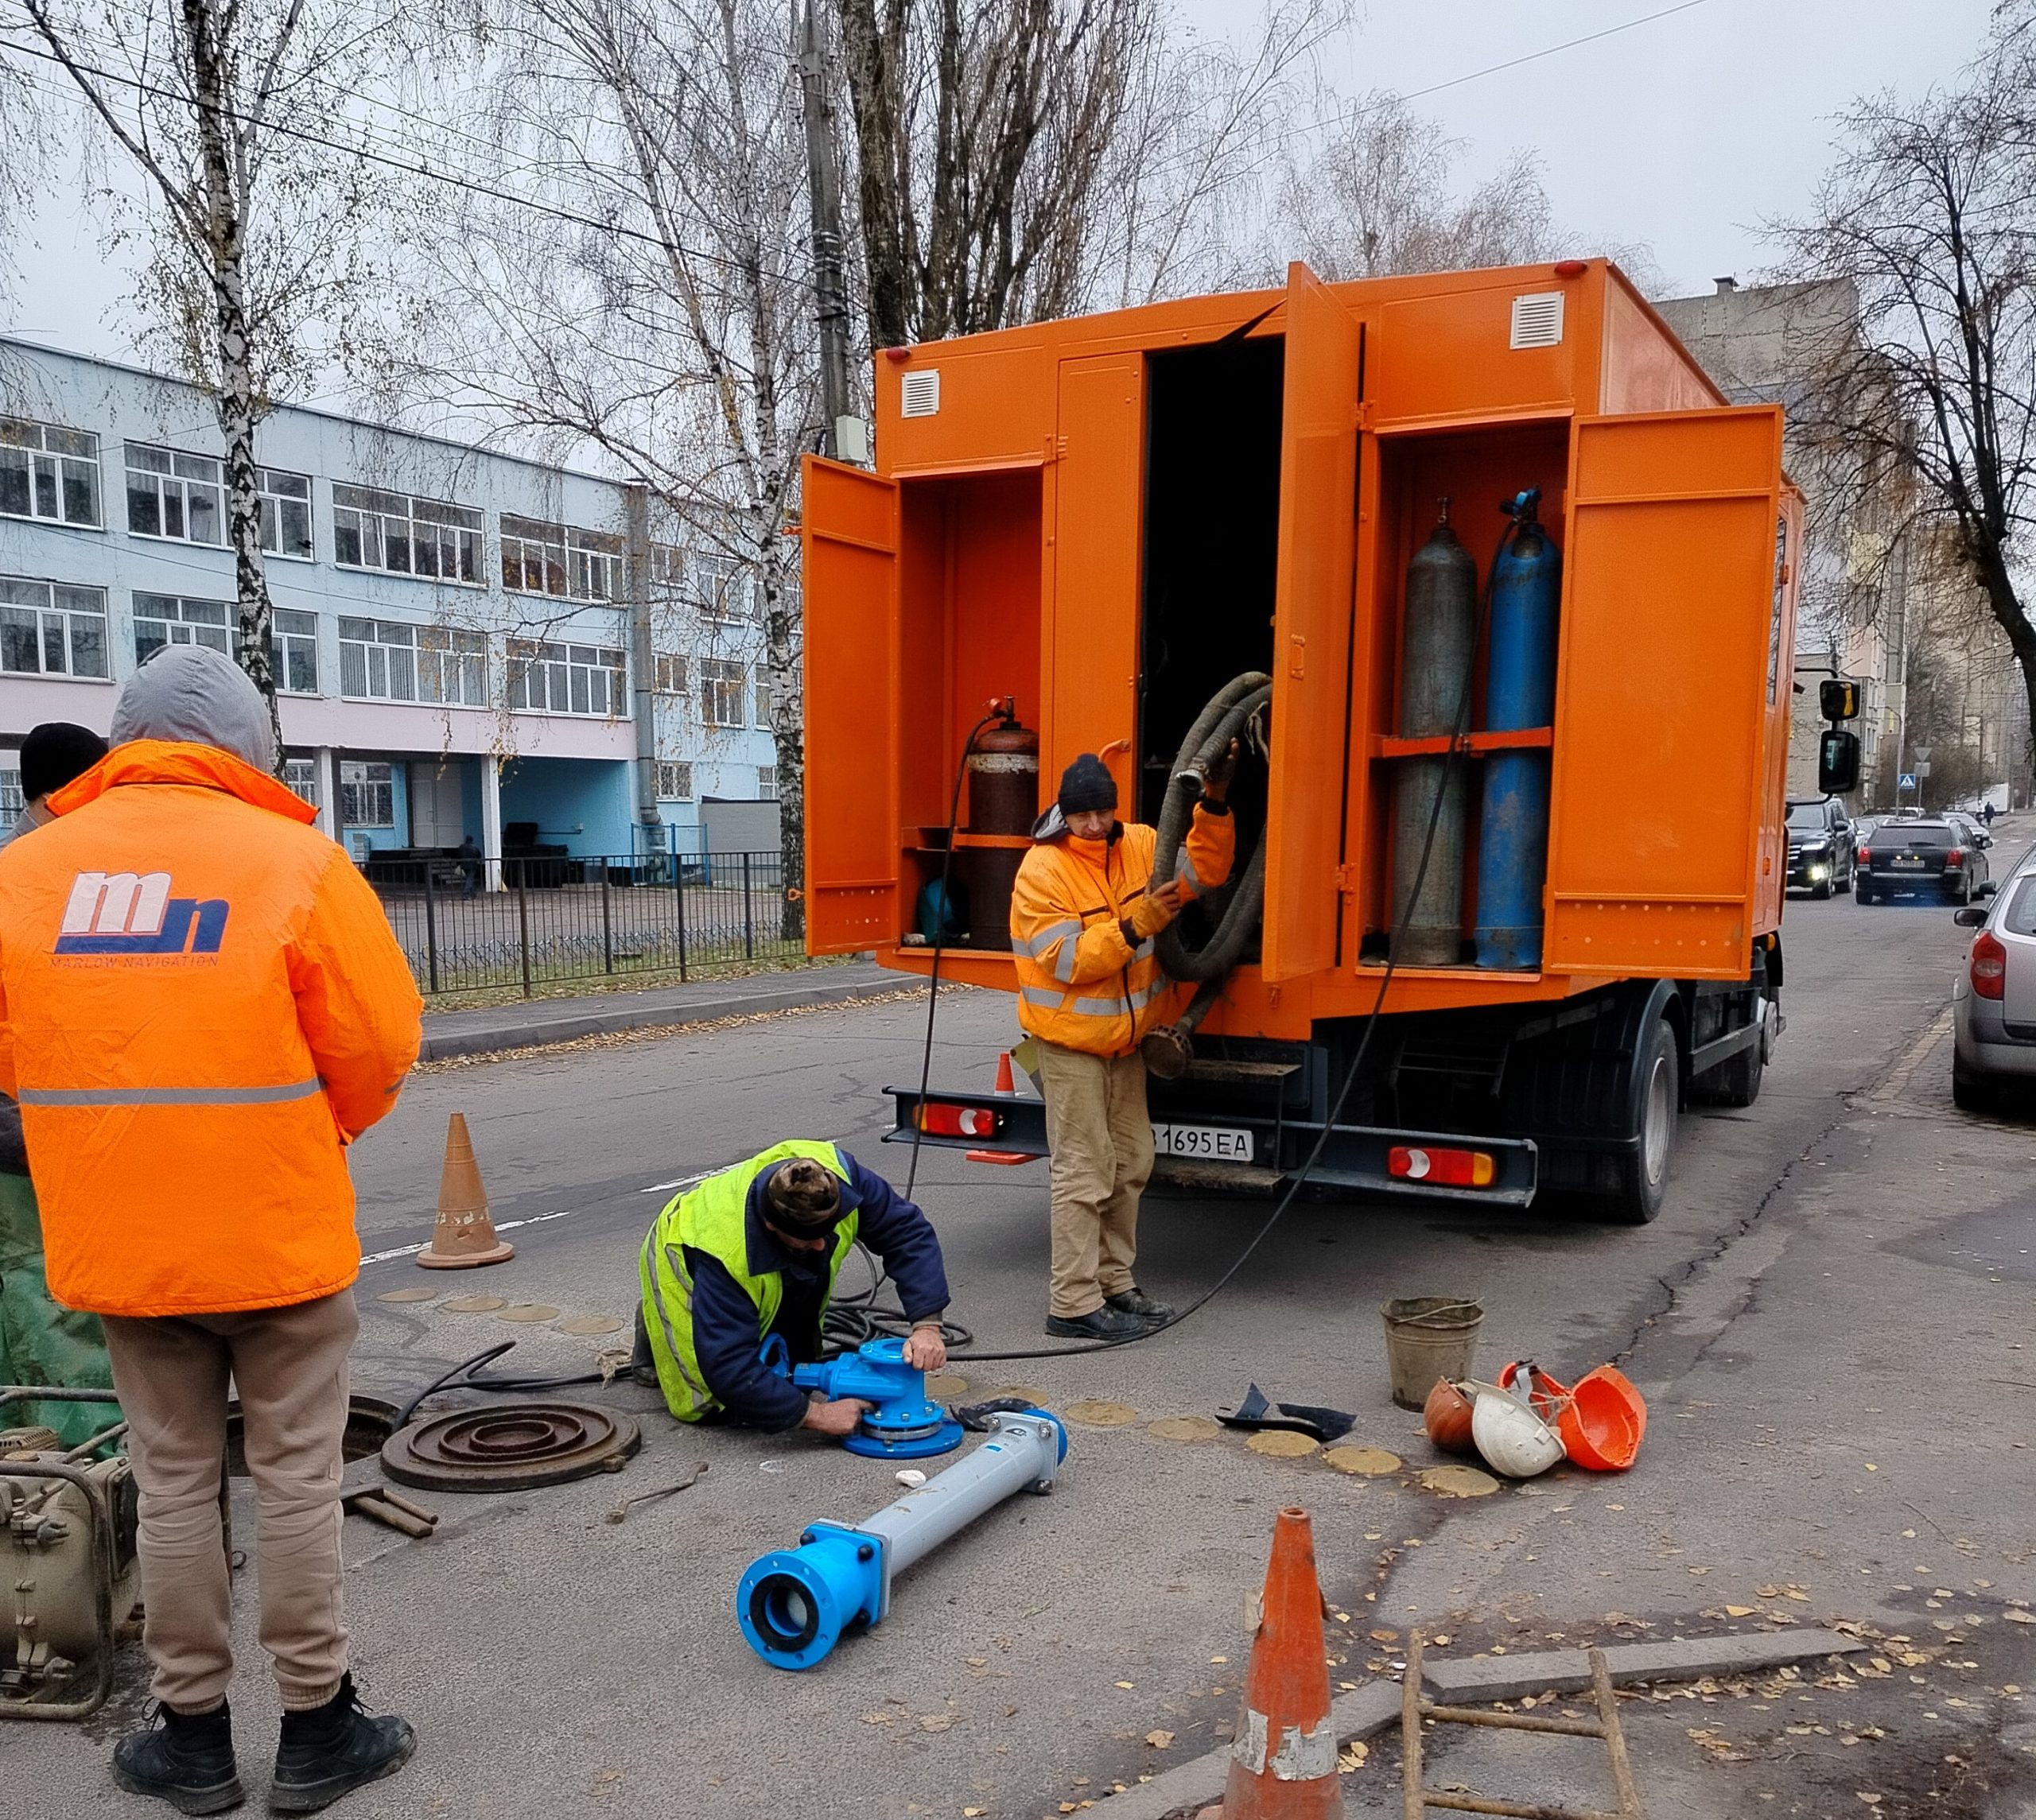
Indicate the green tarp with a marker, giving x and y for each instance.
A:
(40, 1342)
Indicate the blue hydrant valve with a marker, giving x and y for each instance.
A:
(901, 1423)
(794, 1604)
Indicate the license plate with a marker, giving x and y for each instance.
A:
(1222, 1144)
(1910, 862)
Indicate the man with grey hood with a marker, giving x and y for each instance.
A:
(201, 1005)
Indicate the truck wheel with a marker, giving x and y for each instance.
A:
(1644, 1172)
(1738, 1082)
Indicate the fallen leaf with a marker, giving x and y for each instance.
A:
(970, 1813)
(1159, 1740)
(1219, 1659)
(1125, 1685)
(936, 1721)
(1740, 1611)
(1352, 1756)
(2019, 1617)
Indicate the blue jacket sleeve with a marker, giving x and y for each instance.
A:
(727, 1340)
(903, 1238)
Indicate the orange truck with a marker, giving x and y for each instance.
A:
(1106, 519)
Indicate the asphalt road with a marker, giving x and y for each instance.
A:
(1830, 1319)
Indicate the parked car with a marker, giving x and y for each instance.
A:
(1925, 855)
(1993, 997)
(1971, 826)
(1820, 852)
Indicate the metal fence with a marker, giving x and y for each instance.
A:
(556, 917)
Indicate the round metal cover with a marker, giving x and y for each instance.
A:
(510, 1447)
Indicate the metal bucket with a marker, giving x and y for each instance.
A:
(1427, 1337)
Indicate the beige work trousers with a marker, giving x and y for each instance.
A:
(1102, 1141)
(288, 1366)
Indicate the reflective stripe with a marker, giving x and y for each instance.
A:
(1053, 1001)
(1064, 968)
(170, 1096)
(675, 1257)
(1144, 950)
(1184, 870)
(1037, 945)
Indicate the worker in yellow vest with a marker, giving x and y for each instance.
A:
(755, 1250)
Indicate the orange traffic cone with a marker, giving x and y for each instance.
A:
(1007, 1087)
(465, 1235)
(1283, 1766)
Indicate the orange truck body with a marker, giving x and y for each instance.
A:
(1013, 539)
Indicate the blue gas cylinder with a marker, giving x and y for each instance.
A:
(1520, 692)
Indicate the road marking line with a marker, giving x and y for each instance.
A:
(500, 1226)
(1896, 1083)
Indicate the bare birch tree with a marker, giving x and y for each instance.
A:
(219, 105)
(678, 340)
(1928, 214)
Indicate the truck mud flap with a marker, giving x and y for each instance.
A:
(1357, 1158)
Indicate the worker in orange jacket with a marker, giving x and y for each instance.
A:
(1084, 913)
(201, 1005)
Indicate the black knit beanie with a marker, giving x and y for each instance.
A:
(1086, 784)
(55, 753)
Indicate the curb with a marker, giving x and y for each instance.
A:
(1472, 1679)
(537, 1031)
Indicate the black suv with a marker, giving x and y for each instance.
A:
(1820, 857)
(1928, 854)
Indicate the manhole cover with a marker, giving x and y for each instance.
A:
(1371, 1462)
(1282, 1443)
(590, 1324)
(406, 1295)
(946, 1384)
(473, 1305)
(510, 1447)
(1459, 1482)
(1101, 1415)
(529, 1311)
(1183, 1428)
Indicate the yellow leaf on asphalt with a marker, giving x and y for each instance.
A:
(1159, 1740)
(2015, 1616)
(1126, 1685)
(1740, 1611)
(936, 1721)
(1352, 1756)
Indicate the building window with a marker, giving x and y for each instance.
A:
(48, 473)
(762, 696)
(671, 674)
(561, 560)
(667, 567)
(566, 679)
(674, 782)
(399, 535)
(173, 496)
(49, 629)
(767, 783)
(296, 653)
(285, 502)
(302, 776)
(159, 620)
(367, 793)
(384, 661)
(721, 692)
(726, 592)
(12, 802)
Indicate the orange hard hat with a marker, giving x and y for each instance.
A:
(1602, 1423)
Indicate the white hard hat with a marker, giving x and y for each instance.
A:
(1512, 1438)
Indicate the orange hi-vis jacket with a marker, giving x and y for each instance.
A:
(201, 1004)
(1081, 984)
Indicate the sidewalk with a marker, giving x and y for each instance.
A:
(487, 1031)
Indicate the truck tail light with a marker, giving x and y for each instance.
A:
(1955, 857)
(960, 1121)
(1445, 1168)
(1989, 966)
(1864, 857)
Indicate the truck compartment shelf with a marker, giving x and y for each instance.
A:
(1473, 745)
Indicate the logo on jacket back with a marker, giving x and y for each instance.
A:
(133, 913)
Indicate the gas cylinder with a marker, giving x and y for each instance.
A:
(1437, 640)
(1520, 691)
(1004, 780)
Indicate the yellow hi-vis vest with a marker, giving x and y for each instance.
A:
(711, 1218)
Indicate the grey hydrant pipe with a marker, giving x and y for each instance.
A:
(794, 1604)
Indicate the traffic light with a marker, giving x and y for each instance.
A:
(1839, 701)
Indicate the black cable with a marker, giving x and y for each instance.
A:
(998, 711)
(1364, 1044)
(461, 1378)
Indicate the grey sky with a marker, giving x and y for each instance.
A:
(1682, 133)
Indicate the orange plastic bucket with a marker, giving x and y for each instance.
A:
(1603, 1422)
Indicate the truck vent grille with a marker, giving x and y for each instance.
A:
(919, 394)
(1537, 321)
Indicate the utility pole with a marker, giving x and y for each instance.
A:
(823, 184)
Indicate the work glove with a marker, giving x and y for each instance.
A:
(1154, 911)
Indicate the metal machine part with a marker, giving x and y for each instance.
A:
(1437, 642)
(510, 1447)
(70, 1576)
(794, 1604)
(1520, 693)
(901, 1423)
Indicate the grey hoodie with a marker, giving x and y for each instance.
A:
(191, 692)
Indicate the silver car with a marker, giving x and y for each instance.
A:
(1993, 996)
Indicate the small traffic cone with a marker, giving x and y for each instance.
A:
(465, 1235)
(1283, 1766)
(1007, 1087)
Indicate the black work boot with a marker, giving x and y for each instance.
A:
(1135, 1301)
(331, 1749)
(184, 1760)
(1104, 1323)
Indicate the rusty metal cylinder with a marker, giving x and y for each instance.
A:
(1004, 780)
(1438, 640)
